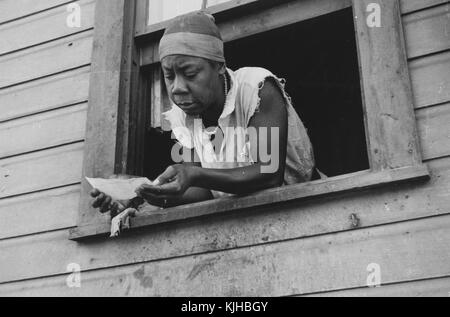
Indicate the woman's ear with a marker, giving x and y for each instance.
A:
(222, 68)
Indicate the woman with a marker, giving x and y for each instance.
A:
(238, 131)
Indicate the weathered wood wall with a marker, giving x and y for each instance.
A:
(292, 249)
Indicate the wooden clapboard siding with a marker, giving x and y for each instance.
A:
(14, 9)
(45, 69)
(41, 170)
(433, 287)
(430, 79)
(43, 130)
(434, 129)
(45, 94)
(428, 46)
(44, 27)
(428, 30)
(46, 59)
(244, 229)
(288, 249)
(405, 251)
(48, 210)
(408, 6)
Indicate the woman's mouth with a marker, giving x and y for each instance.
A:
(185, 105)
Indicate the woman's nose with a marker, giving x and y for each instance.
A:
(179, 86)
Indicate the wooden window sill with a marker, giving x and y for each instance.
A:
(298, 192)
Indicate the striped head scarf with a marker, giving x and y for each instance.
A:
(193, 34)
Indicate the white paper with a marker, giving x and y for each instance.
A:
(119, 189)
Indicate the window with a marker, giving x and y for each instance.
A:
(349, 80)
(163, 10)
(319, 61)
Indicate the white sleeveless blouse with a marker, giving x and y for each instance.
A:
(241, 103)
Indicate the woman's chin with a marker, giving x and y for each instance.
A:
(192, 111)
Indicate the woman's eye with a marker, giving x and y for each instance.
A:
(168, 76)
(190, 75)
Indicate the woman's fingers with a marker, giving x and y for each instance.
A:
(172, 188)
(167, 176)
(114, 209)
(99, 200)
(103, 202)
(106, 204)
(95, 192)
(149, 193)
(146, 189)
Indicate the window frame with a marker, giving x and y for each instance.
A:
(124, 45)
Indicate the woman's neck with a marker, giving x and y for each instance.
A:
(212, 115)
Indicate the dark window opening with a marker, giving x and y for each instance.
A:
(318, 59)
(157, 154)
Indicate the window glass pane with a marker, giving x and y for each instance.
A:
(214, 2)
(161, 10)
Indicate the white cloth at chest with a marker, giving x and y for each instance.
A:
(241, 104)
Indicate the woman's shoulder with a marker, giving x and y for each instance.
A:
(252, 75)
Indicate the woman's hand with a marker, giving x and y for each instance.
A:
(170, 185)
(105, 203)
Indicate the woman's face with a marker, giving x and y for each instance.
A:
(193, 83)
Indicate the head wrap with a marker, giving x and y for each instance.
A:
(193, 34)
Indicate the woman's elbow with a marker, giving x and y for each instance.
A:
(273, 180)
(273, 175)
(276, 180)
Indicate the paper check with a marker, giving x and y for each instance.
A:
(118, 189)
